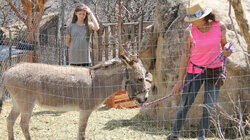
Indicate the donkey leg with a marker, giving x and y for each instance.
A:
(24, 124)
(83, 119)
(11, 121)
(26, 105)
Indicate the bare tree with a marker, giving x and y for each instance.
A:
(30, 13)
(5, 14)
(131, 9)
(239, 119)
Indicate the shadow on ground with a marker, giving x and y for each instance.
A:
(144, 123)
(53, 113)
(140, 123)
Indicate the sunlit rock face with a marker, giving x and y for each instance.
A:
(161, 53)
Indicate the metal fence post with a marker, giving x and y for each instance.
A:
(62, 46)
(120, 28)
(10, 49)
(35, 49)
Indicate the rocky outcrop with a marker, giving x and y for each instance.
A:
(161, 52)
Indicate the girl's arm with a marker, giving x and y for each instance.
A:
(226, 53)
(68, 35)
(93, 22)
(68, 39)
(184, 62)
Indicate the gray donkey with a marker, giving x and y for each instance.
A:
(71, 88)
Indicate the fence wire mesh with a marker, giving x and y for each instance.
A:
(108, 123)
(59, 85)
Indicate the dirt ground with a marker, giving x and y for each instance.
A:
(104, 124)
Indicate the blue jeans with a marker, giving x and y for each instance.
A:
(187, 99)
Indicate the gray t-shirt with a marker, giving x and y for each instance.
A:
(79, 52)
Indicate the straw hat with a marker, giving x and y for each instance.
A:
(196, 10)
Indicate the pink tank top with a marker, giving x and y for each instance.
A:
(204, 48)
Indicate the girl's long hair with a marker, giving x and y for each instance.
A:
(86, 22)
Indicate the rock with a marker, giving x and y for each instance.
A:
(161, 51)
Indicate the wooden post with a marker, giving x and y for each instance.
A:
(133, 39)
(125, 38)
(10, 49)
(92, 49)
(95, 41)
(33, 58)
(62, 30)
(141, 27)
(139, 35)
(100, 45)
(67, 56)
(120, 29)
(114, 40)
(106, 42)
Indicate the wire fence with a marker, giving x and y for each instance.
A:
(54, 51)
(230, 116)
(130, 124)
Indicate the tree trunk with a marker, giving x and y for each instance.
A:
(242, 22)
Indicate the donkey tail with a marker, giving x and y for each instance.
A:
(1, 99)
(1, 102)
(2, 91)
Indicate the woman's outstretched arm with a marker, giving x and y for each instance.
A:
(184, 62)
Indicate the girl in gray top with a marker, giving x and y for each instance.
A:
(77, 35)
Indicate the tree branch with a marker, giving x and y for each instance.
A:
(24, 7)
(41, 5)
(16, 12)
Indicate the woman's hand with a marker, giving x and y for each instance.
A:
(177, 88)
(93, 24)
(227, 53)
(87, 9)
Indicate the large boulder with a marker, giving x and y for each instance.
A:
(161, 52)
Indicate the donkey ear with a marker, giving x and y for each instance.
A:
(126, 59)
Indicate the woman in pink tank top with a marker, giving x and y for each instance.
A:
(204, 40)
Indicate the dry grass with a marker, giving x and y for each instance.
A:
(104, 123)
